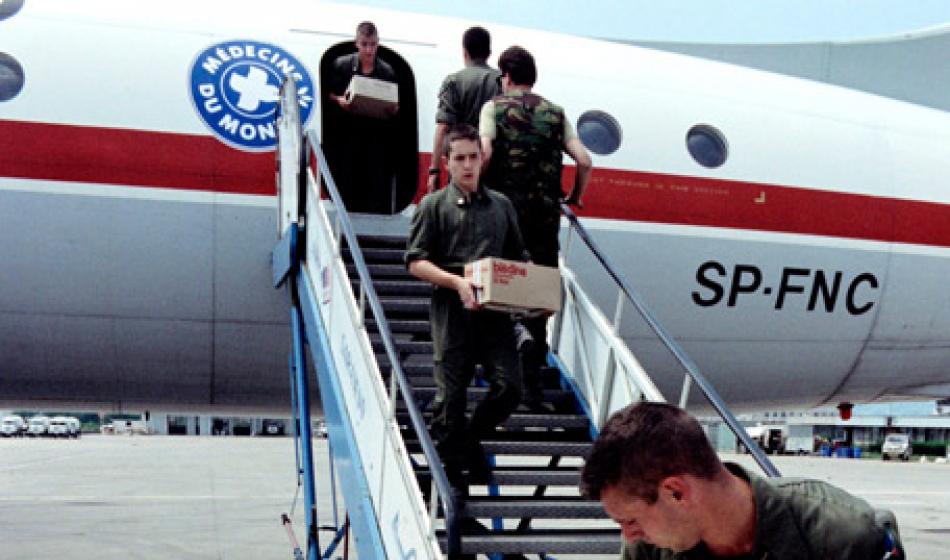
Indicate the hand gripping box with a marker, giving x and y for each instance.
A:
(516, 286)
(372, 98)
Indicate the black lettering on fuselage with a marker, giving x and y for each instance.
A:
(703, 280)
(786, 286)
(738, 287)
(849, 300)
(829, 294)
(823, 288)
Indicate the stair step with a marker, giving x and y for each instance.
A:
(413, 326)
(522, 476)
(377, 255)
(405, 305)
(543, 448)
(526, 448)
(542, 541)
(402, 346)
(389, 271)
(529, 420)
(383, 241)
(478, 393)
(398, 287)
(518, 507)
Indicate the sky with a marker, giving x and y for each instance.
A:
(735, 21)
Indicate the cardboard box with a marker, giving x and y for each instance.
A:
(516, 286)
(372, 98)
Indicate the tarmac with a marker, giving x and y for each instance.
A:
(178, 497)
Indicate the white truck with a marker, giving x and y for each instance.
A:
(38, 427)
(12, 426)
(64, 426)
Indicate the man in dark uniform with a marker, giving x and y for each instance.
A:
(523, 137)
(463, 93)
(656, 474)
(358, 154)
(454, 226)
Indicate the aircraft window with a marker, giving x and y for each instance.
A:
(599, 131)
(9, 7)
(11, 77)
(707, 145)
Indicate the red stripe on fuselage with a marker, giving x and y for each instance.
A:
(194, 162)
(117, 156)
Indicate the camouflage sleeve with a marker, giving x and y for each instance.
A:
(447, 111)
(486, 120)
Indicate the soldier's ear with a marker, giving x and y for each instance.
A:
(674, 488)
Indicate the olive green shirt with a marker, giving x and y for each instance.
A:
(450, 229)
(463, 93)
(797, 519)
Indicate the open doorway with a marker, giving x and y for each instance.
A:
(396, 183)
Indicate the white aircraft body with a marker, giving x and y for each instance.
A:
(137, 207)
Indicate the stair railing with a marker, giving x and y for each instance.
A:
(399, 383)
(601, 396)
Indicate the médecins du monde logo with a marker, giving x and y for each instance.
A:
(235, 87)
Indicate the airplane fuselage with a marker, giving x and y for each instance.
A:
(137, 207)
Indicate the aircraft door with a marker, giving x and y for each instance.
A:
(374, 162)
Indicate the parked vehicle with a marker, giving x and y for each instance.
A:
(897, 446)
(39, 426)
(12, 426)
(58, 427)
(75, 427)
(64, 426)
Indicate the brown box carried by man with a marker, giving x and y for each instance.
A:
(514, 286)
(372, 98)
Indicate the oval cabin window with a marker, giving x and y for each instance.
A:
(599, 132)
(707, 145)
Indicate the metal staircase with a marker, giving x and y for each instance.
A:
(533, 506)
(365, 321)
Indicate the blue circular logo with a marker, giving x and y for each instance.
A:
(235, 86)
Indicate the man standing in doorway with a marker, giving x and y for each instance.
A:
(452, 227)
(523, 136)
(359, 154)
(463, 94)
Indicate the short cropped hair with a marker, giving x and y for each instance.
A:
(642, 445)
(519, 65)
(477, 43)
(461, 131)
(366, 29)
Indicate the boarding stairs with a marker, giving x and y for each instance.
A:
(365, 321)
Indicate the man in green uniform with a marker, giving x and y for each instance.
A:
(523, 137)
(451, 227)
(359, 153)
(656, 475)
(463, 93)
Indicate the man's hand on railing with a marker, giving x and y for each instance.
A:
(573, 200)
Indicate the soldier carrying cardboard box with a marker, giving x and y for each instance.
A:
(454, 226)
(357, 153)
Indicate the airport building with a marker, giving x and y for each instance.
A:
(924, 422)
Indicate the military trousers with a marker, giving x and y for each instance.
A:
(541, 240)
(462, 339)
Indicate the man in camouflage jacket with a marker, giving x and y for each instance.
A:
(523, 137)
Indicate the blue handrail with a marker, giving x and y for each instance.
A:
(691, 368)
(312, 144)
